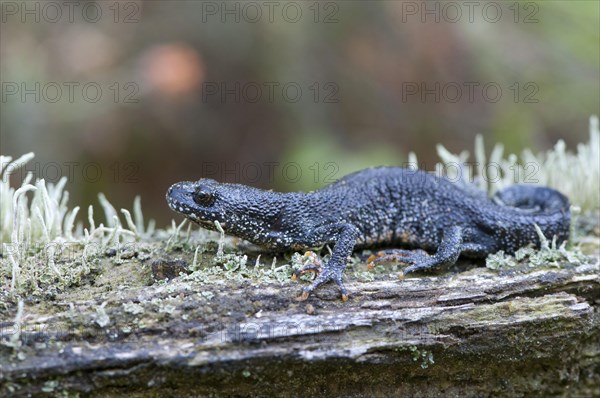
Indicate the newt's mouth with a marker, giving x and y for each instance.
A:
(179, 198)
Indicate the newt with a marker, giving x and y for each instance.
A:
(378, 207)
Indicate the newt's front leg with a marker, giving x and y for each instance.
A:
(344, 237)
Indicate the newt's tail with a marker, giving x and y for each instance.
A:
(532, 199)
(544, 206)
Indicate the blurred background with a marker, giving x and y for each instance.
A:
(129, 97)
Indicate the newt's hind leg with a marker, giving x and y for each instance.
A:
(447, 253)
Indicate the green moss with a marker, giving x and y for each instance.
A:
(50, 386)
(422, 357)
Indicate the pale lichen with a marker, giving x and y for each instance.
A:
(576, 175)
(41, 251)
(549, 255)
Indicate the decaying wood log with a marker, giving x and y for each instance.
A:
(473, 333)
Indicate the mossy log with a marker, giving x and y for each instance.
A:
(473, 333)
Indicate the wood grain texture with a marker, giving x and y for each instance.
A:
(475, 333)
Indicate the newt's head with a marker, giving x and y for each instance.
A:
(241, 210)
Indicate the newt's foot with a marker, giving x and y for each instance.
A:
(416, 259)
(428, 264)
(331, 272)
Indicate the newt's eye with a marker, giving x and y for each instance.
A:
(203, 198)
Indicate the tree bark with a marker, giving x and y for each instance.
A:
(470, 334)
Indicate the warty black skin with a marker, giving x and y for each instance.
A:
(384, 206)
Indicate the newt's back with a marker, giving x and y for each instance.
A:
(393, 205)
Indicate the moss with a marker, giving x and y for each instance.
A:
(422, 357)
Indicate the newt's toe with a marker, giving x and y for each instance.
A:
(303, 296)
(315, 265)
(314, 268)
(375, 256)
(329, 273)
